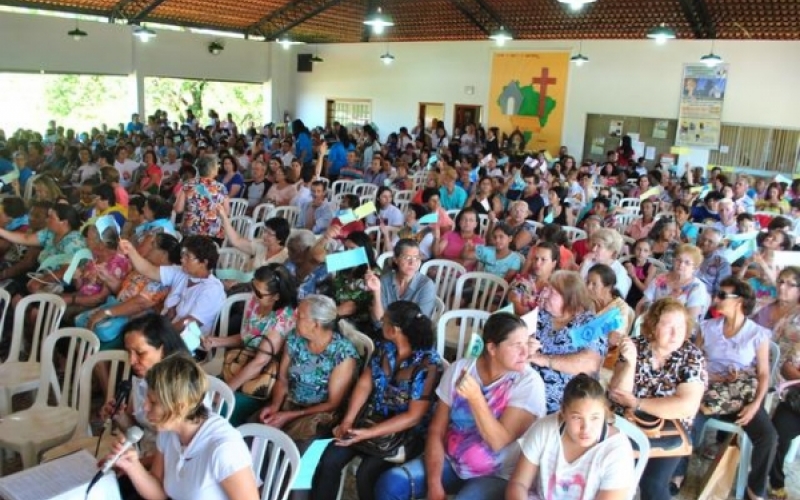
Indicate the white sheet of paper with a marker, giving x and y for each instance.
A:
(62, 479)
(530, 320)
(650, 153)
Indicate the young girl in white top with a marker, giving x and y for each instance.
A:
(575, 453)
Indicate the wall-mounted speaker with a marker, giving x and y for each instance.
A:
(304, 63)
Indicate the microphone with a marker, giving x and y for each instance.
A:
(123, 391)
(133, 436)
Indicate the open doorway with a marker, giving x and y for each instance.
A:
(464, 114)
(430, 111)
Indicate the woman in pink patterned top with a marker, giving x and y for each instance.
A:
(198, 201)
(269, 316)
(91, 291)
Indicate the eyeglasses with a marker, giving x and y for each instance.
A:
(186, 255)
(682, 262)
(410, 258)
(258, 293)
(787, 283)
(725, 295)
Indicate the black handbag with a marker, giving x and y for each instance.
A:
(397, 447)
(789, 393)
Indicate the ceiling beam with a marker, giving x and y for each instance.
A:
(696, 13)
(147, 10)
(479, 14)
(294, 13)
(366, 31)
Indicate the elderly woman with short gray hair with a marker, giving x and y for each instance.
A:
(198, 200)
(306, 263)
(318, 368)
(605, 246)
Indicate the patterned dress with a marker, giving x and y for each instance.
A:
(309, 373)
(89, 283)
(63, 250)
(557, 343)
(256, 327)
(200, 217)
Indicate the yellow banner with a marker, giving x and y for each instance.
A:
(527, 98)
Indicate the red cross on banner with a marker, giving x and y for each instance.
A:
(543, 80)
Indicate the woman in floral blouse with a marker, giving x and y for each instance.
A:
(318, 368)
(198, 200)
(663, 374)
(350, 290)
(396, 391)
(269, 316)
(554, 353)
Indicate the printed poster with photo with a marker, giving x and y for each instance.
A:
(615, 128)
(700, 114)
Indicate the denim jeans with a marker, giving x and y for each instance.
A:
(328, 475)
(396, 483)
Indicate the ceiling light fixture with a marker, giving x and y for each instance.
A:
(378, 21)
(387, 58)
(215, 48)
(77, 34)
(501, 36)
(144, 34)
(579, 59)
(287, 42)
(576, 5)
(661, 34)
(317, 58)
(711, 59)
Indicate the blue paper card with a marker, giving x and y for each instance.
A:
(345, 260)
(308, 464)
(429, 219)
(346, 216)
(106, 222)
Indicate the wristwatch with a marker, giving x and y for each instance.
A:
(107, 313)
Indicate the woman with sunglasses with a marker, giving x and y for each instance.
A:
(782, 315)
(737, 350)
(269, 316)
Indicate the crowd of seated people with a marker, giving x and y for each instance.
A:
(691, 267)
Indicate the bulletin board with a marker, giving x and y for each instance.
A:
(604, 133)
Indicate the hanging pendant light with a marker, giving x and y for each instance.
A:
(77, 34)
(661, 34)
(143, 33)
(576, 5)
(378, 21)
(501, 36)
(711, 59)
(317, 58)
(579, 59)
(387, 58)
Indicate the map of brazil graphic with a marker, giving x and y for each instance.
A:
(527, 97)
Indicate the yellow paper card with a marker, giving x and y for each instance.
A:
(364, 210)
(650, 193)
(548, 156)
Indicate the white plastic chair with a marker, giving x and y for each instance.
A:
(262, 212)
(535, 225)
(477, 290)
(453, 213)
(483, 225)
(574, 234)
(438, 309)
(276, 459)
(404, 196)
(256, 231)
(624, 221)
(118, 366)
(221, 397)
(745, 445)
(28, 194)
(366, 191)
(363, 344)
(241, 225)
(642, 451)
(630, 205)
(291, 214)
(375, 231)
(42, 426)
(662, 268)
(457, 334)
(233, 258)
(444, 274)
(5, 298)
(18, 376)
(216, 357)
(238, 207)
(383, 259)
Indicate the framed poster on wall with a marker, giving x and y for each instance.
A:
(700, 114)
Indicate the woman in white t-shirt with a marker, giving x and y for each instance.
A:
(199, 455)
(575, 453)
